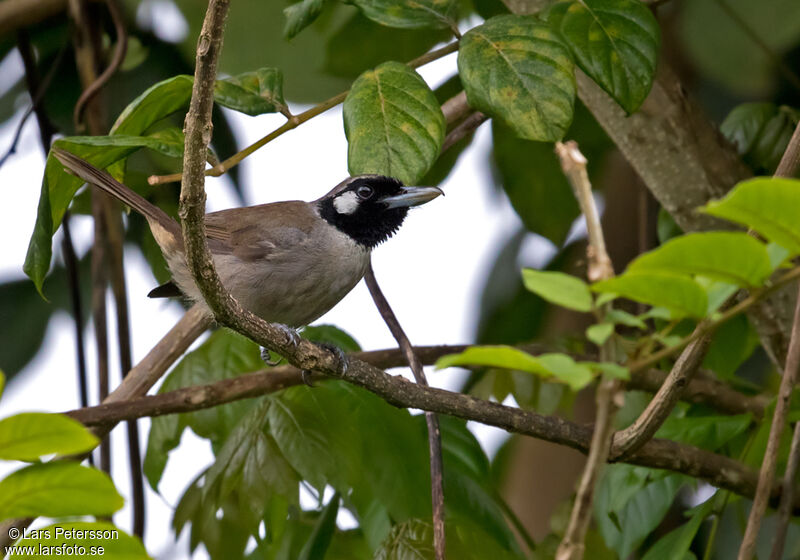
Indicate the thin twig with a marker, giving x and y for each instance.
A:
(36, 98)
(572, 545)
(432, 421)
(116, 61)
(787, 497)
(464, 128)
(787, 167)
(293, 123)
(660, 406)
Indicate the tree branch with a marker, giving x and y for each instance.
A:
(431, 420)
(787, 166)
(572, 545)
(718, 470)
(659, 408)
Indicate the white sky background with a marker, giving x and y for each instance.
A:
(432, 273)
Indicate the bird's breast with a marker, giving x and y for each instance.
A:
(298, 285)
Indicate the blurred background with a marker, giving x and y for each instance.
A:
(452, 272)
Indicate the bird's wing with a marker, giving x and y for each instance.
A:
(260, 232)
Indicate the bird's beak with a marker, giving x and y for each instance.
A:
(412, 196)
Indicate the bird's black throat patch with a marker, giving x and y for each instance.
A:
(370, 222)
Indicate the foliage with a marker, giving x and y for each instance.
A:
(353, 452)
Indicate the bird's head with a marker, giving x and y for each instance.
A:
(370, 208)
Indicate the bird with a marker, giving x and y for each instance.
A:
(287, 262)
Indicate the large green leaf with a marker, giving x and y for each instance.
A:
(718, 40)
(630, 502)
(760, 132)
(98, 539)
(57, 489)
(30, 435)
(680, 294)
(252, 93)
(559, 288)
(58, 187)
(533, 179)
(225, 354)
(250, 465)
(731, 257)
(614, 41)
(360, 44)
(393, 123)
(317, 544)
(675, 545)
(155, 103)
(411, 14)
(554, 367)
(768, 205)
(300, 15)
(517, 69)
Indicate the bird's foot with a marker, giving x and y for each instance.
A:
(306, 376)
(266, 356)
(291, 334)
(340, 355)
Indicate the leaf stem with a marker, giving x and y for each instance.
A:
(293, 122)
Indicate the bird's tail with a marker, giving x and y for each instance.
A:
(102, 179)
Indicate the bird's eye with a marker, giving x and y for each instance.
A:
(364, 192)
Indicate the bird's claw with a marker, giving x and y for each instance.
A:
(340, 355)
(291, 334)
(306, 376)
(266, 356)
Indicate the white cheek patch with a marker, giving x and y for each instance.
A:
(346, 203)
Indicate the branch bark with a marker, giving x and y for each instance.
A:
(659, 408)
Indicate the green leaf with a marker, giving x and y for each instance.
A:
(734, 341)
(252, 93)
(678, 293)
(300, 15)
(630, 502)
(99, 539)
(412, 540)
(319, 541)
(29, 435)
(615, 42)
(223, 355)
(2, 382)
(766, 204)
(557, 367)
(411, 14)
(58, 187)
(333, 335)
(361, 44)
(393, 123)
(675, 545)
(155, 103)
(732, 257)
(621, 317)
(600, 332)
(518, 70)
(558, 288)
(56, 490)
(532, 178)
(760, 132)
(250, 465)
(609, 369)
(708, 432)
